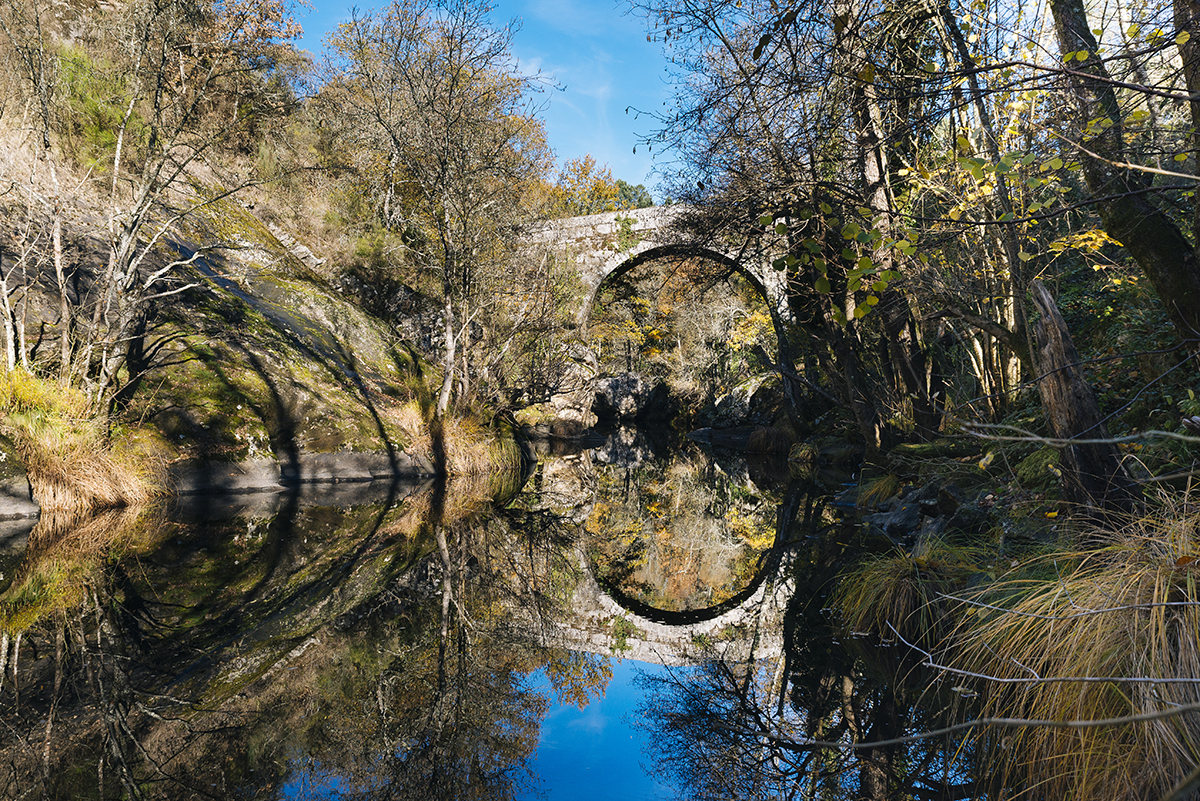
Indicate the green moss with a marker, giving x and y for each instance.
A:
(1039, 470)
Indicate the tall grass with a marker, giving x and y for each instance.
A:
(1126, 617)
(905, 593)
(468, 447)
(71, 464)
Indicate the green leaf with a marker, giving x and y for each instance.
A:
(766, 219)
(839, 316)
(825, 207)
(1056, 163)
(848, 254)
(822, 285)
(851, 230)
(861, 311)
(865, 263)
(781, 228)
(879, 286)
(1183, 38)
(872, 300)
(812, 245)
(854, 285)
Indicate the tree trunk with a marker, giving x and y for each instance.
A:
(1093, 475)
(1153, 239)
(449, 361)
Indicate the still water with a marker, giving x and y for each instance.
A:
(632, 621)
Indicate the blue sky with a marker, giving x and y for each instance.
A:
(594, 50)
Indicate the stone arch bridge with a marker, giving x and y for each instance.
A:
(747, 628)
(601, 246)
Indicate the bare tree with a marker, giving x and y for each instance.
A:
(431, 96)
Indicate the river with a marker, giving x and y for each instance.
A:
(635, 620)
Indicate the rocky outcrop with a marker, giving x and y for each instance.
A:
(919, 515)
(572, 403)
(754, 402)
(16, 494)
(630, 396)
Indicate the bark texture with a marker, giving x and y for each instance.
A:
(1093, 475)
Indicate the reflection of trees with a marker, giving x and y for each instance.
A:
(806, 726)
(679, 533)
(387, 647)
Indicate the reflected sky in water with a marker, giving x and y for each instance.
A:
(597, 753)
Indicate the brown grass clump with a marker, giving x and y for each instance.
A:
(876, 491)
(71, 467)
(467, 447)
(1126, 617)
(904, 592)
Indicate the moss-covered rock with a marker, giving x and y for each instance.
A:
(261, 359)
(1039, 470)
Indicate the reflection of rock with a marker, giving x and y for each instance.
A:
(625, 447)
(566, 486)
(630, 397)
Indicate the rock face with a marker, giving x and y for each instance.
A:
(573, 401)
(16, 495)
(630, 396)
(754, 402)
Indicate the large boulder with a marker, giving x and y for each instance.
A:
(572, 401)
(754, 402)
(16, 494)
(630, 396)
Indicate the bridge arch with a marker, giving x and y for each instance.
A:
(645, 252)
(665, 637)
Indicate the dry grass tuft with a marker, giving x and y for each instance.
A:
(71, 467)
(1125, 612)
(905, 592)
(878, 490)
